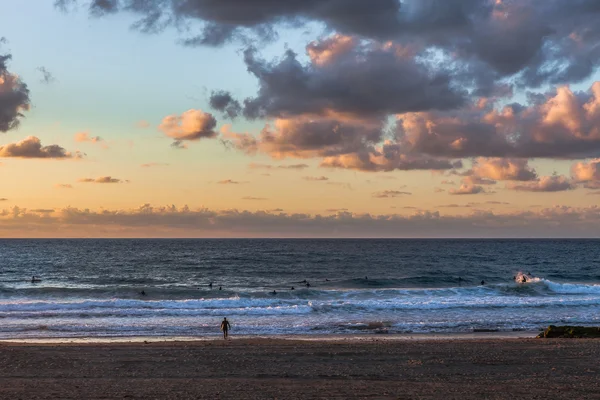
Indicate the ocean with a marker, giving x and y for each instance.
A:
(92, 288)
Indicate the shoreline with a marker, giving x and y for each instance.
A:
(252, 338)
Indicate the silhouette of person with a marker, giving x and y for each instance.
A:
(220, 288)
(274, 292)
(483, 282)
(307, 284)
(32, 279)
(366, 278)
(210, 285)
(143, 293)
(225, 327)
(292, 288)
(326, 280)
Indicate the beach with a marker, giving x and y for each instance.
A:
(258, 368)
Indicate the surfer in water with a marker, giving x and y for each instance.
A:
(225, 327)
(35, 280)
(210, 285)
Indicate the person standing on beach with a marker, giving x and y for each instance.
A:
(225, 327)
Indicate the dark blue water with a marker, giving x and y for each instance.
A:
(92, 287)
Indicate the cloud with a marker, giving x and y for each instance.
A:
(588, 173)
(230, 182)
(438, 190)
(532, 42)
(83, 137)
(143, 124)
(47, 76)
(559, 124)
(14, 97)
(171, 221)
(223, 101)
(376, 80)
(154, 164)
(101, 179)
(467, 189)
(477, 180)
(554, 183)
(253, 198)
(271, 167)
(388, 157)
(191, 125)
(384, 194)
(503, 169)
(31, 147)
(3, 199)
(448, 182)
(42, 210)
(64, 186)
(315, 178)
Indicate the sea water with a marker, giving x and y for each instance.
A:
(92, 288)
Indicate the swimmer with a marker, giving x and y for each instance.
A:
(143, 293)
(210, 285)
(482, 282)
(307, 284)
(220, 288)
(274, 292)
(292, 288)
(523, 280)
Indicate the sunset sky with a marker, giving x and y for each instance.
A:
(300, 118)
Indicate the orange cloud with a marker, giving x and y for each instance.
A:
(191, 125)
(384, 194)
(101, 179)
(82, 137)
(31, 147)
(555, 183)
(467, 189)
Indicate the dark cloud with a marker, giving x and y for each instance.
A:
(171, 221)
(555, 183)
(384, 194)
(230, 182)
(271, 167)
(315, 178)
(532, 41)
(14, 97)
(101, 179)
(64, 186)
(47, 76)
(253, 198)
(31, 147)
(375, 81)
(467, 189)
(224, 102)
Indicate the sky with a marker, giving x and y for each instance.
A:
(300, 118)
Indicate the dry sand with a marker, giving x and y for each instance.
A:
(289, 369)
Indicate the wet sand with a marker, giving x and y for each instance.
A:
(289, 369)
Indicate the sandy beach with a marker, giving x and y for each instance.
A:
(289, 369)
